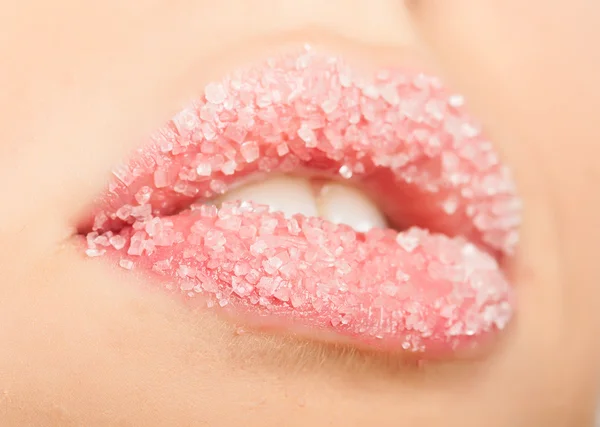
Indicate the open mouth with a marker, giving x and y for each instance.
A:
(390, 213)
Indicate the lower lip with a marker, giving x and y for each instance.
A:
(416, 290)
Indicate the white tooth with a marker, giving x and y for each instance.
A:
(343, 204)
(289, 195)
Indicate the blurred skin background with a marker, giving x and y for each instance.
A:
(84, 81)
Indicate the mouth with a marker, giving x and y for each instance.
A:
(304, 196)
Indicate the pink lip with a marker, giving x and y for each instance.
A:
(435, 287)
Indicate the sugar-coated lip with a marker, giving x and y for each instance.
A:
(434, 287)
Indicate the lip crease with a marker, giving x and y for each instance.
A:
(433, 286)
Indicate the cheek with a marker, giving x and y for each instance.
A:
(80, 346)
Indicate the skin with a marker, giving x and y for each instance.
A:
(83, 344)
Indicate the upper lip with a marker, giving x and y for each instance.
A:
(401, 133)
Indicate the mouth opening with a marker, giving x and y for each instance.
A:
(432, 280)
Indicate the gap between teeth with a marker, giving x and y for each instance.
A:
(336, 202)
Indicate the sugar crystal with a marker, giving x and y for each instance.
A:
(126, 264)
(250, 151)
(345, 171)
(215, 93)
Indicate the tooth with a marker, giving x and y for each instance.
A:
(290, 195)
(343, 204)
(338, 203)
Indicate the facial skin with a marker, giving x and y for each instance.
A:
(82, 344)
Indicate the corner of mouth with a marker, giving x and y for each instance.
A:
(434, 284)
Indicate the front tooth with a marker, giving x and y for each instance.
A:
(343, 204)
(290, 195)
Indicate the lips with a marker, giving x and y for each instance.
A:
(432, 285)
